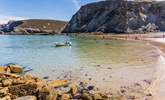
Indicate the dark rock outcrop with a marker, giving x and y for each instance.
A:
(118, 16)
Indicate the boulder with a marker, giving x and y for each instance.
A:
(73, 88)
(2, 69)
(15, 68)
(46, 93)
(7, 82)
(65, 97)
(23, 90)
(6, 98)
(58, 83)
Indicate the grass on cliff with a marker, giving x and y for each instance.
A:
(43, 24)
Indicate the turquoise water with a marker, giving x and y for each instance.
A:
(39, 53)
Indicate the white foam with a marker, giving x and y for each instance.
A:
(156, 85)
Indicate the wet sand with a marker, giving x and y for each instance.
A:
(155, 77)
(158, 86)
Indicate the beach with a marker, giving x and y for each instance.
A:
(112, 72)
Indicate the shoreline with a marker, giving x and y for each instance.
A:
(157, 40)
(109, 36)
(60, 88)
(125, 91)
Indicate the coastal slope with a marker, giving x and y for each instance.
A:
(118, 16)
(34, 26)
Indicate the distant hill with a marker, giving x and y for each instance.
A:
(42, 24)
(35, 26)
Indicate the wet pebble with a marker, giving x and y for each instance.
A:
(149, 94)
(98, 65)
(109, 68)
(46, 77)
(90, 78)
(147, 81)
(91, 87)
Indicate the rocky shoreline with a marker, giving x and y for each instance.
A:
(16, 85)
(111, 36)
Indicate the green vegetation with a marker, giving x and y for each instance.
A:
(43, 24)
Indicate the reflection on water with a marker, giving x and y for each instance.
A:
(39, 53)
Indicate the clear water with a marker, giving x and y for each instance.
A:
(85, 56)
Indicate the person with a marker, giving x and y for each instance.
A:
(68, 43)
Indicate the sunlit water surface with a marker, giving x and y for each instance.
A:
(113, 61)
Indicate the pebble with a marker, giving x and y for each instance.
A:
(46, 77)
(65, 97)
(91, 87)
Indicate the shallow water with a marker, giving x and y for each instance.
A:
(113, 61)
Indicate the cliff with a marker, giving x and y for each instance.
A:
(118, 16)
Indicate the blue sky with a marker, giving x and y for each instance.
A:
(40, 9)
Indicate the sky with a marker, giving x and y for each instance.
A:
(39, 9)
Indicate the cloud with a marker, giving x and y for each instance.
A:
(4, 19)
(76, 3)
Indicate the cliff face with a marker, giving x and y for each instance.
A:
(118, 16)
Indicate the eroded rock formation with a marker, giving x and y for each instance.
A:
(119, 16)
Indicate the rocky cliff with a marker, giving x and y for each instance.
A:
(118, 16)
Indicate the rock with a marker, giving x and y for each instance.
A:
(7, 82)
(58, 83)
(23, 90)
(97, 96)
(46, 93)
(149, 94)
(91, 87)
(2, 69)
(26, 98)
(46, 77)
(15, 68)
(9, 75)
(6, 98)
(109, 68)
(118, 16)
(86, 96)
(65, 97)
(18, 81)
(8, 70)
(4, 91)
(73, 88)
